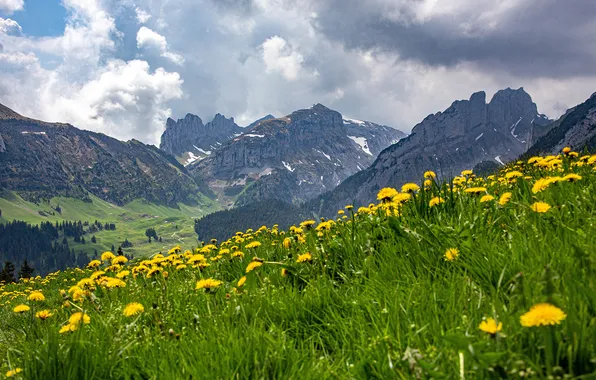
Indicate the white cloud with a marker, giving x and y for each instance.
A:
(142, 16)
(10, 6)
(280, 57)
(147, 38)
(10, 27)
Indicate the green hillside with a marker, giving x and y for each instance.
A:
(478, 278)
(175, 226)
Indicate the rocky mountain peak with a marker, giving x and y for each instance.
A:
(7, 113)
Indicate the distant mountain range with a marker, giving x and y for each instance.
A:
(43, 160)
(293, 158)
(464, 135)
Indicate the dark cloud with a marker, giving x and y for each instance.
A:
(534, 38)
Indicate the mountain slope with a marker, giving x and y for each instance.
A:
(190, 139)
(293, 158)
(43, 160)
(576, 129)
(465, 134)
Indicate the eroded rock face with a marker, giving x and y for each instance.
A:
(293, 158)
(191, 140)
(465, 134)
(43, 160)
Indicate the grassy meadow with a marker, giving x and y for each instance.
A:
(174, 225)
(477, 278)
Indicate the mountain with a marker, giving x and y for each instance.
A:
(575, 129)
(42, 160)
(190, 140)
(292, 158)
(256, 122)
(464, 135)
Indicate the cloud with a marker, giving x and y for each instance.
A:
(280, 57)
(142, 16)
(147, 38)
(10, 27)
(11, 6)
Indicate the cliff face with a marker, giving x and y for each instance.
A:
(293, 158)
(191, 140)
(465, 134)
(43, 160)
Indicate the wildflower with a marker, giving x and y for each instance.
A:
(253, 265)
(36, 296)
(79, 318)
(86, 283)
(542, 314)
(513, 174)
(504, 199)
(435, 201)
(307, 224)
(307, 257)
(13, 372)
(430, 174)
(208, 284)
(43, 314)
(284, 272)
(119, 260)
(410, 188)
(241, 281)
(254, 244)
(65, 329)
(107, 256)
(486, 198)
(97, 274)
(401, 197)
(238, 254)
(21, 309)
(490, 326)
(94, 264)
(111, 282)
(386, 194)
(571, 177)
(323, 226)
(475, 190)
(123, 274)
(180, 267)
(349, 207)
(540, 207)
(132, 309)
(451, 254)
(287, 242)
(466, 173)
(566, 150)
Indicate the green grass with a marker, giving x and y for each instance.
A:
(131, 220)
(378, 300)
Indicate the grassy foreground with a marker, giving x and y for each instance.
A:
(439, 281)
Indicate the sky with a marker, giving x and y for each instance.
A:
(122, 67)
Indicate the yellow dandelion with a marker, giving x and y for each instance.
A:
(123, 274)
(43, 314)
(402, 197)
(486, 198)
(13, 372)
(307, 257)
(475, 190)
(466, 173)
(132, 309)
(490, 326)
(436, 201)
(571, 177)
(505, 198)
(254, 244)
(119, 260)
(540, 207)
(410, 188)
(253, 265)
(241, 281)
(430, 174)
(36, 296)
(542, 314)
(107, 256)
(386, 194)
(451, 254)
(94, 264)
(208, 284)
(79, 318)
(287, 243)
(21, 309)
(513, 174)
(566, 150)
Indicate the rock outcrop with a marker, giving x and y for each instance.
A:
(293, 158)
(465, 134)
